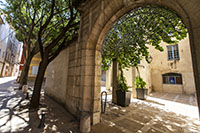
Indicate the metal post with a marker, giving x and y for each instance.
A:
(103, 104)
(42, 120)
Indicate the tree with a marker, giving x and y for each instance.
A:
(128, 40)
(53, 26)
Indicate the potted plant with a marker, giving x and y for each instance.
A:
(140, 88)
(123, 94)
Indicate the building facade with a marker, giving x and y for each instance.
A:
(4, 33)
(34, 66)
(10, 50)
(171, 70)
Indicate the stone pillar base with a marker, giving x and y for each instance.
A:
(85, 123)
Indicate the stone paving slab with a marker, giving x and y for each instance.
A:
(148, 116)
(15, 116)
(180, 98)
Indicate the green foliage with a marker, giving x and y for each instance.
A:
(122, 84)
(43, 24)
(128, 40)
(139, 82)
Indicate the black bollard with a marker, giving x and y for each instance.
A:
(103, 104)
(27, 96)
(42, 120)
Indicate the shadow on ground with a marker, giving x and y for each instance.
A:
(15, 115)
(141, 117)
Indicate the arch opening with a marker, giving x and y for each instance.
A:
(111, 19)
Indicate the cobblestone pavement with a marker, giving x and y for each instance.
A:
(157, 114)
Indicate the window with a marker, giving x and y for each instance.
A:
(172, 78)
(34, 70)
(172, 52)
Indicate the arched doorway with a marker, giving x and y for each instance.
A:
(97, 18)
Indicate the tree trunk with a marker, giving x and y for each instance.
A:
(35, 99)
(25, 70)
(138, 71)
(115, 80)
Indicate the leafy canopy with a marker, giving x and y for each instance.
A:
(128, 40)
(43, 24)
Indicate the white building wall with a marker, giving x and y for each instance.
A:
(4, 34)
(10, 50)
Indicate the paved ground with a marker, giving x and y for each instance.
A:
(16, 117)
(160, 113)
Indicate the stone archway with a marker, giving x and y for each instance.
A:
(96, 19)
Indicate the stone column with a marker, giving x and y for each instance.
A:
(85, 123)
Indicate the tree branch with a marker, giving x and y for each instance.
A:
(61, 47)
(60, 36)
(43, 27)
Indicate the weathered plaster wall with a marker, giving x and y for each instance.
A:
(57, 78)
(63, 79)
(145, 73)
(161, 65)
(109, 74)
(34, 63)
(129, 77)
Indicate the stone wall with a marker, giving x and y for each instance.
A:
(97, 17)
(63, 80)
